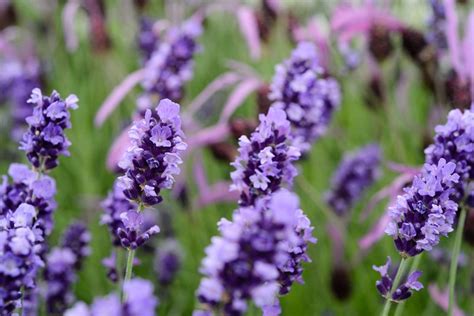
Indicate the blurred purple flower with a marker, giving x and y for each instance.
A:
(306, 93)
(357, 172)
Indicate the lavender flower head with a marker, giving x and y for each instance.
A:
(454, 142)
(153, 159)
(140, 301)
(148, 39)
(306, 93)
(132, 234)
(77, 239)
(265, 161)
(171, 64)
(437, 25)
(45, 139)
(403, 291)
(357, 172)
(246, 261)
(426, 211)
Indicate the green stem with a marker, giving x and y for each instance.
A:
(414, 266)
(454, 260)
(398, 277)
(128, 271)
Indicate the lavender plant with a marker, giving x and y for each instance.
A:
(150, 164)
(27, 202)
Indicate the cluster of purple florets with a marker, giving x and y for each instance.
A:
(265, 161)
(62, 265)
(170, 65)
(306, 93)
(27, 200)
(154, 157)
(403, 291)
(357, 172)
(252, 255)
(139, 301)
(426, 211)
(45, 140)
(454, 142)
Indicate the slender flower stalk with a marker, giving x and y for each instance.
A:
(454, 261)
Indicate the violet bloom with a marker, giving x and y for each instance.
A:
(171, 64)
(27, 186)
(249, 258)
(306, 93)
(403, 291)
(140, 301)
(426, 211)
(62, 265)
(45, 139)
(356, 172)
(152, 160)
(19, 256)
(265, 161)
(454, 142)
(168, 260)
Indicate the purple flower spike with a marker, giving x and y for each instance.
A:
(403, 291)
(45, 140)
(454, 142)
(357, 172)
(426, 211)
(171, 64)
(77, 239)
(265, 161)
(306, 93)
(249, 259)
(152, 160)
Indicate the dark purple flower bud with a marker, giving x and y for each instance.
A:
(380, 42)
(357, 172)
(154, 157)
(265, 161)
(45, 140)
(341, 282)
(148, 38)
(309, 97)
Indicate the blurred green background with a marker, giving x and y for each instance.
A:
(83, 180)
